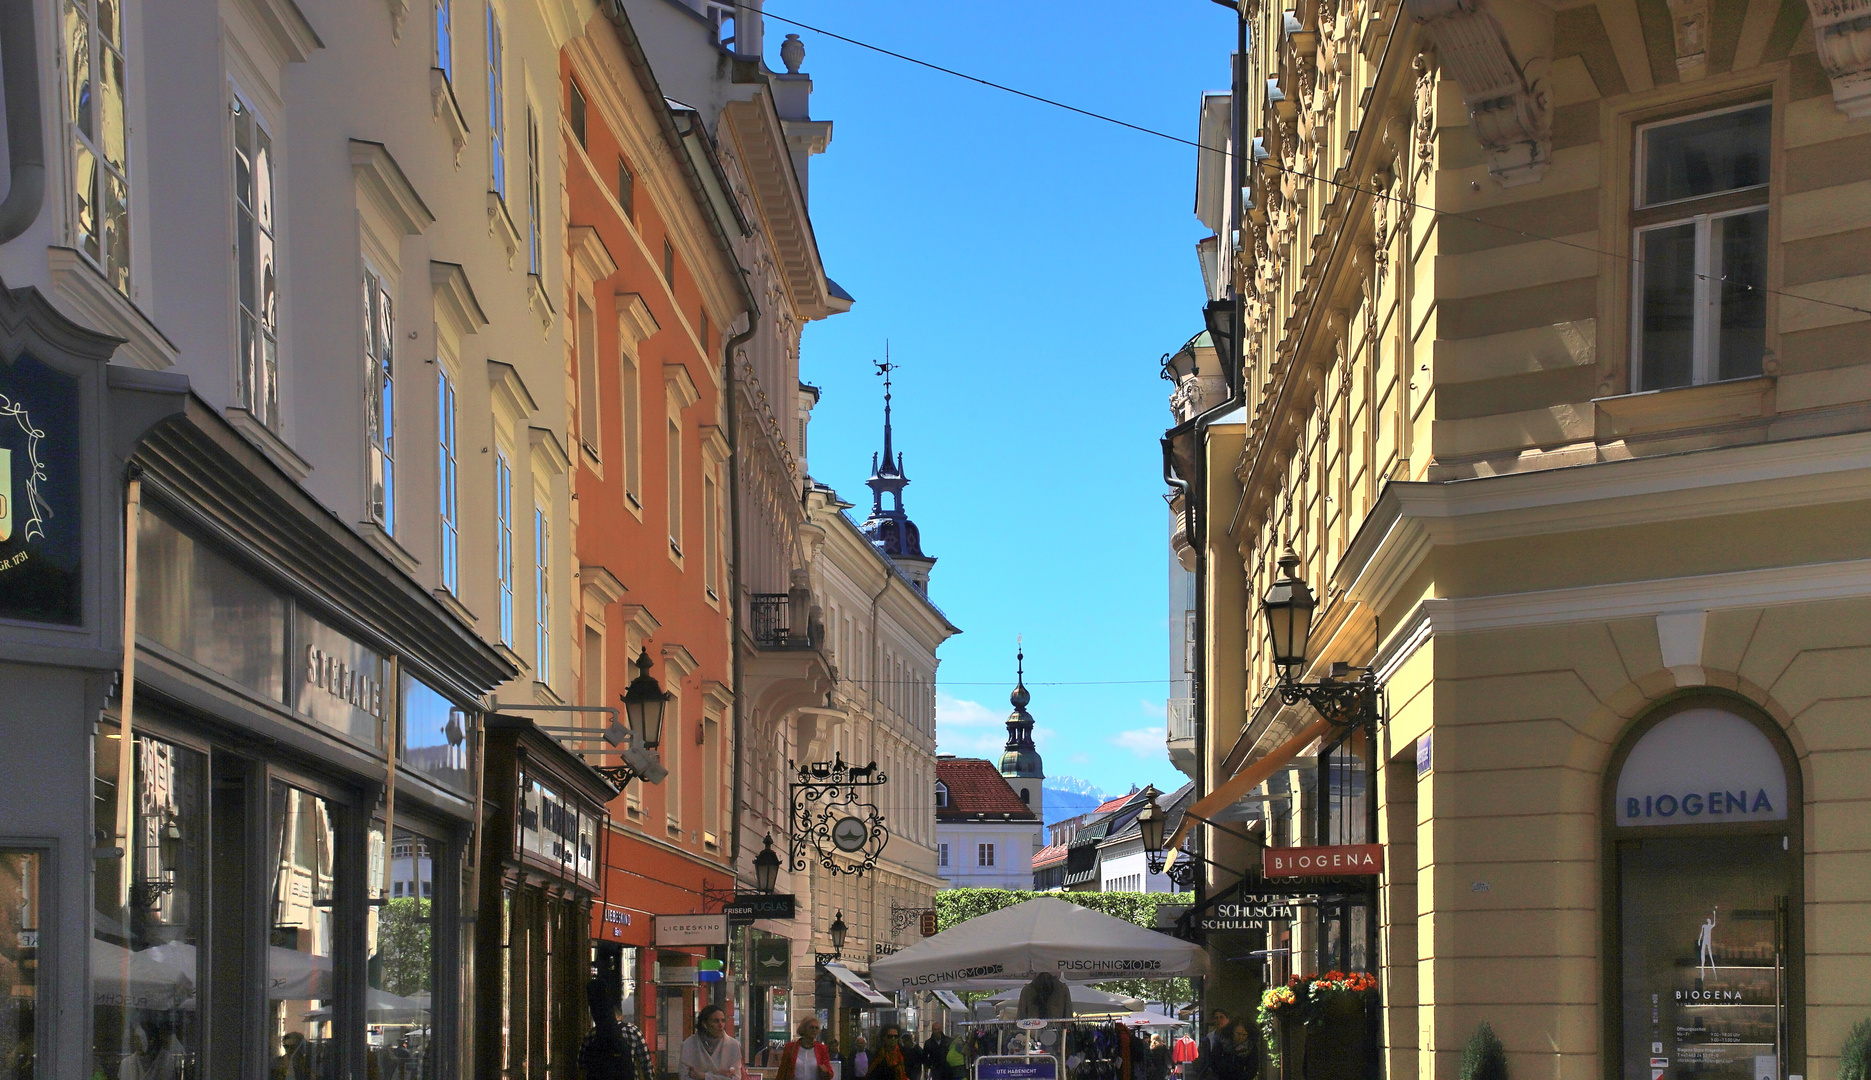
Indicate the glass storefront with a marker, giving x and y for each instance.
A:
(148, 918)
(1704, 964)
(301, 990)
(1707, 872)
(399, 949)
(19, 964)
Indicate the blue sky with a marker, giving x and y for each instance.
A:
(1029, 267)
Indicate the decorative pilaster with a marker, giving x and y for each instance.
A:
(1508, 106)
(1842, 38)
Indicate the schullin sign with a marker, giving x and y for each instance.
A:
(1333, 861)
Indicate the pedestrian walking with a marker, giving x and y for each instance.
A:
(612, 1050)
(806, 1058)
(711, 1053)
(889, 1063)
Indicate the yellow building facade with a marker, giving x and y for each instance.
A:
(1555, 373)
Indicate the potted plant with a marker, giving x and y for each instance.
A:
(1337, 1029)
(1279, 1004)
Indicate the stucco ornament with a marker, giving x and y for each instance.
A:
(1509, 108)
(792, 53)
(1842, 38)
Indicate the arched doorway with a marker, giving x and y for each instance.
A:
(1703, 878)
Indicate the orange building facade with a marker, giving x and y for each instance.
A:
(652, 294)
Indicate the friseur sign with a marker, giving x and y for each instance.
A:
(747, 907)
(1334, 861)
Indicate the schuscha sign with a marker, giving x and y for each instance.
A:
(1338, 860)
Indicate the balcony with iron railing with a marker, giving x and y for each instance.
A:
(1179, 738)
(775, 624)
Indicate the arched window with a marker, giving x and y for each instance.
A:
(1703, 890)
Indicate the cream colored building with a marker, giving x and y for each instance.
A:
(1555, 378)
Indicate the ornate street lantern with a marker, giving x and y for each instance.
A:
(766, 867)
(1288, 608)
(839, 930)
(644, 704)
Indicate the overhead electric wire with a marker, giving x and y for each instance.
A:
(1276, 167)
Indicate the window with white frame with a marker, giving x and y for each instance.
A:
(503, 542)
(380, 398)
(256, 285)
(711, 780)
(711, 549)
(984, 855)
(542, 596)
(675, 489)
(496, 106)
(99, 135)
(941, 796)
(1699, 225)
(585, 331)
(447, 484)
(534, 253)
(632, 428)
(445, 38)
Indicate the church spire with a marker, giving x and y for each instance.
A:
(889, 527)
(1021, 758)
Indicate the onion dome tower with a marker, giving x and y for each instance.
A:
(1020, 763)
(890, 528)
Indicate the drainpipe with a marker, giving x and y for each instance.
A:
(19, 52)
(734, 577)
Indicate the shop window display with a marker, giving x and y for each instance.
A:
(302, 844)
(1706, 871)
(399, 946)
(19, 964)
(147, 919)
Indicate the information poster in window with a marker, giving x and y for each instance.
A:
(1704, 982)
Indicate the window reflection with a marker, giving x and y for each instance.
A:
(147, 928)
(19, 964)
(436, 733)
(399, 942)
(298, 960)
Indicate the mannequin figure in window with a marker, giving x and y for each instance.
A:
(1045, 998)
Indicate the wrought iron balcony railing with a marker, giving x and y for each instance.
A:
(1181, 719)
(772, 621)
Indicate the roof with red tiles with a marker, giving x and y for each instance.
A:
(1113, 804)
(1049, 855)
(978, 792)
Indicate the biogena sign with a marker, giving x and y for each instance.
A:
(1702, 766)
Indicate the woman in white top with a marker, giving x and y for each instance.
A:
(710, 1053)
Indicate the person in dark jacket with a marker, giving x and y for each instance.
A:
(936, 1057)
(889, 1063)
(612, 1050)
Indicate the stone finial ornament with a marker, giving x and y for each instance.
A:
(792, 53)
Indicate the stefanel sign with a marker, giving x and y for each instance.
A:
(1334, 861)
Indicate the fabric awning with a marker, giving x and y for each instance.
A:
(950, 1001)
(1011, 946)
(1241, 783)
(855, 983)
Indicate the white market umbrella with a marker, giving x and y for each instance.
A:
(383, 1007)
(1085, 1001)
(138, 980)
(1013, 945)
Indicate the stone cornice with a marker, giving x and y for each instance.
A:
(1509, 108)
(1412, 518)
(760, 141)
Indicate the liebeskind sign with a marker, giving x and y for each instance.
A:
(1333, 861)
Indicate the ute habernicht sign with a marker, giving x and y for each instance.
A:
(1333, 861)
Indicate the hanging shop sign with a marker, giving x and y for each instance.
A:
(929, 925)
(1701, 767)
(746, 907)
(1332, 861)
(835, 822)
(885, 948)
(773, 961)
(1245, 916)
(691, 929)
(40, 555)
